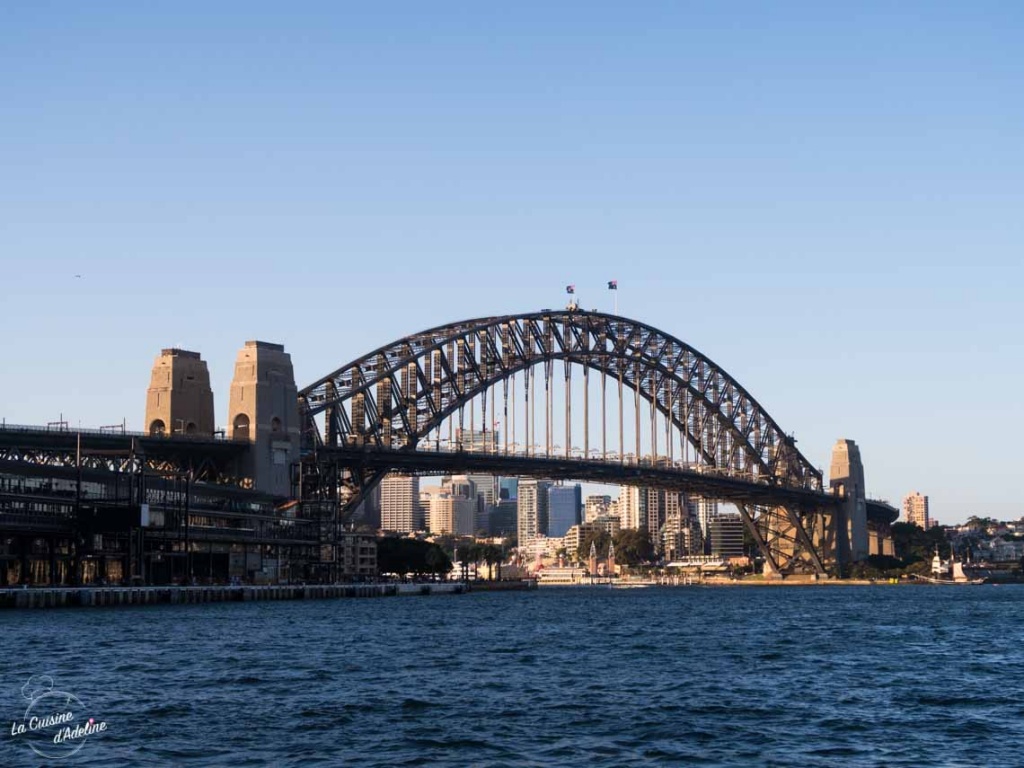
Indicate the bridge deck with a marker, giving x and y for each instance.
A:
(41, 438)
(702, 483)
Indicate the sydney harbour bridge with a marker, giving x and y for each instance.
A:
(557, 394)
(691, 427)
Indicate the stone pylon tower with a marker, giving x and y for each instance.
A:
(179, 400)
(263, 410)
(846, 478)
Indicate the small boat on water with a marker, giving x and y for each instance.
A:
(932, 580)
(634, 584)
(948, 572)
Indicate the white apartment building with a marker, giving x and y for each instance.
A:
(400, 504)
(595, 507)
(915, 510)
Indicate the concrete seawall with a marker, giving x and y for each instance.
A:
(67, 597)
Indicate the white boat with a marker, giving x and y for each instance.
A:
(933, 580)
(633, 584)
(948, 572)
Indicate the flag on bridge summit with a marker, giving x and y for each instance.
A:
(570, 289)
(613, 285)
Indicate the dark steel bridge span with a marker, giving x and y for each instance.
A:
(701, 483)
(691, 426)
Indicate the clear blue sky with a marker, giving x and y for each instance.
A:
(825, 198)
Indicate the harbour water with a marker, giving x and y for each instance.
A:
(856, 676)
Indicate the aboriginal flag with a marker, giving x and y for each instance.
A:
(613, 285)
(570, 289)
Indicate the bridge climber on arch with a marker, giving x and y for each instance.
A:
(396, 409)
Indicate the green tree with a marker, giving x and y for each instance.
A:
(914, 548)
(876, 567)
(401, 556)
(912, 543)
(493, 555)
(469, 551)
(633, 547)
(981, 523)
(447, 542)
(600, 538)
(437, 561)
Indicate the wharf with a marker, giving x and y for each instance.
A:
(514, 585)
(67, 597)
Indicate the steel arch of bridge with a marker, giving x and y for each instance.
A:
(402, 391)
(392, 398)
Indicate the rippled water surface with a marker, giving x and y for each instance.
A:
(862, 676)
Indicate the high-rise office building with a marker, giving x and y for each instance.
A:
(441, 513)
(532, 509)
(613, 509)
(501, 520)
(477, 440)
(632, 507)
(693, 538)
(368, 510)
(680, 537)
(595, 507)
(464, 514)
(915, 510)
(675, 503)
(449, 511)
(564, 507)
(673, 536)
(400, 504)
(705, 510)
(465, 506)
(486, 487)
(508, 488)
(459, 485)
(726, 535)
(647, 508)
(660, 504)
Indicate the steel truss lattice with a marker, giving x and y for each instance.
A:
(392, 398)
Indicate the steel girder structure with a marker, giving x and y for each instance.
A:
(206, 461)
(368, 460)
(392, 398)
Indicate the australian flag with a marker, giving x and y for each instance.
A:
(613, 285)
(570, 289)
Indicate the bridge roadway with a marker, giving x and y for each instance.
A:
(38, 450)
(373, 463)
(707, 482)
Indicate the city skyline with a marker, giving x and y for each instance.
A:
(826, 209)
(633, 507)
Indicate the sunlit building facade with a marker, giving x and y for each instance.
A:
(915, 510)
